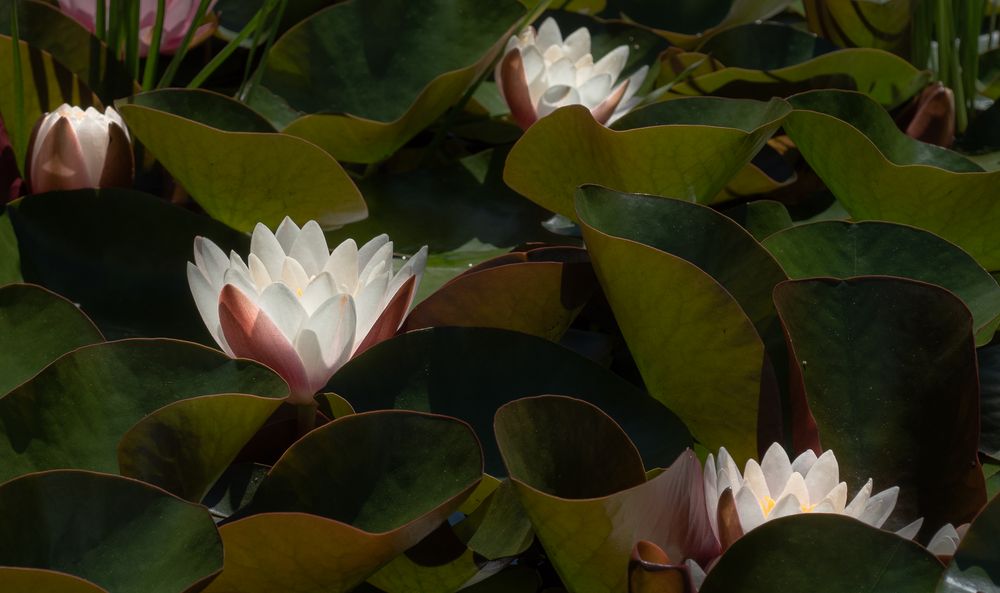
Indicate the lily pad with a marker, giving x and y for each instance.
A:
(687, 149)
(328, 520)
(761, 218)
(884, 24)
(367, 95)
(989, 400)
(75, 411)
(38, 580)
(185, 446)
(205, 107)
(879, 173)
(688, 22)
(687, 332)
(975, 566)
(889, 365)
(37, 327)
(129, 278)
(583, 485)
(842, 249)
(108, 530)
(824, 553)
(470, 372)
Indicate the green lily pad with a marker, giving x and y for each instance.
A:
(888, 365)
(884, 24)
(975, 565)
(436, 370)
(37, 327)
(681, 317)
(10, 257)
(877, 172)
(824, 553)
(38, 580)
(583, 485)
(329, 520)
(242, 178)
(705, 141)
(205, 107)
(843, 249)
(76, 410)
(761, 218)
(185, 446)
(108, 530)
(367, 95)
(130, 278)
(539, 295)
(989, 400)
(688, 22)
(765, 46)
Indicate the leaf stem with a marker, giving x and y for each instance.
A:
(153, 55)
(175, 63)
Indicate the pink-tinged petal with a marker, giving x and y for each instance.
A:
(650, 569)
(119, 165)
(59, 162)
(251, 334)
(414, 267)
(687, 532)
(728, 520)
(711, 485)
(391, 318)
(513, 86)
(602, 113)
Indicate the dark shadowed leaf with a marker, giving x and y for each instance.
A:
(975, 566)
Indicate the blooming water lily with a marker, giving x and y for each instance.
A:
(178, 17)
(295, 306)
(71, 148)
(541, 72)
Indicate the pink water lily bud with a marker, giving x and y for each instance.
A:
(74, 149)
(296, 306)
(541, 72)
(179, 16)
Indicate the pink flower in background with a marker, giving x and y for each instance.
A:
(74, 149)
(180, 14)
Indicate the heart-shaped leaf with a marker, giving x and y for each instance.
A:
(824, 553)
(38, 580)
(121, 534)
(328, 520)
(842, 249)
(888, 367)
(877, 172)
(75, 411)
(205, 107)
(369, 94)
(37, 327)
(975, 565)
(687, 149)
(470, 372)
(583, 485)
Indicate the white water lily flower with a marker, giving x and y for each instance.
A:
(778, 487)
(945, 542)
(541, 72)
(297, 307)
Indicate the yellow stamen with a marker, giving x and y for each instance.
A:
(807, 508)
(767, 505)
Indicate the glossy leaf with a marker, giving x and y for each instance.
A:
(540, 295)
(688, 22)
(975, 566)
(37, 327)
(38, 580)
(686, 331)
(584, 487)
(470, 372)
(848, 23)
(328, 520)
(989, 400)
(242, 178)
(842, 249)
(687, 149)
(130, 278)
(877, 172)
(761, 218)
(76, 410)
(369, 94)
(823, 553)
(889, 365)
(108, 530)
(185, 446)
(205, 107)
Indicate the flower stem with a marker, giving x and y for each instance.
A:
(306, 417)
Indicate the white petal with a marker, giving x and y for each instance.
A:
(754, 478)
(321, 289)
(577, 44)
(294, 276)
(880, 506)
(555, 97)
(561, 72)
(548, 34)
(804, 462)
(310, 248)
(726, 462)
(369, 249)
(796, 486)
(635, 83)
(613, 62)
(860, 501)
(343, 266)
(836, 498)
(258, 272)
(595, 91)
(264, 245)
(911, 530)
(206, 299)
(92, 133)
(240, 279)
(235, 261)
(945, 541)
(284, 309)
(413, 267)
(380, 261)
(369, 302)
(710, 477)
(822, 476)
(776, 467)
(210, 260)
(748, 509)
(786, 505)
(286, 234)
(326, 340)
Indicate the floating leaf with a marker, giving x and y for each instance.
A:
(37, 327)
(108, 530)
(470, 372)
(75, 411)
(888, 367)
(842, 249)
(367, 95)
(989, 400)
(583, 485)
(761, 218)
(205, 107)
(885, 24)
(687, 23)
(38, 580)
(824, 553)
(975, 566)
(687, 149)
(877, 172)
